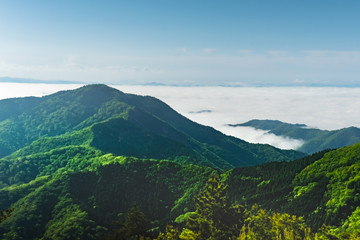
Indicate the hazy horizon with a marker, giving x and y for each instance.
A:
(242, 43)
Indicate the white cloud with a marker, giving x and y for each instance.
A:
(209, 50)
(325, 108)
(253, 135)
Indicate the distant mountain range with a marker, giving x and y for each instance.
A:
(316, 140)
(158, 84)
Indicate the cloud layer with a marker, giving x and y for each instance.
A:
(324, 108)
(253, 135)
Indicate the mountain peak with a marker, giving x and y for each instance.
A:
(99, 88)
(146, 123)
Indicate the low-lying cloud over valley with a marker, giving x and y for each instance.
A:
(318, 107)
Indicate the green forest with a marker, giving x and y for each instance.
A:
(96, 163)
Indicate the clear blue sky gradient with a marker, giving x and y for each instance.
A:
(247, 42)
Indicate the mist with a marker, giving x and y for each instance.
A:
(253, 135)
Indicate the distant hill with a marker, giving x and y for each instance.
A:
(122, 124)
(315, 139)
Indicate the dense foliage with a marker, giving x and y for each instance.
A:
(324, 188)
(215, 218)
(77, 193)
(333, 185)
(269, 184)
(71, 204)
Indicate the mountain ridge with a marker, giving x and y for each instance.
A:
(315, 140)
(71, 110)
(82, 191)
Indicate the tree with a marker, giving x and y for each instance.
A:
(170, 234)
(262, 226)
(215, 217)
(135, 226)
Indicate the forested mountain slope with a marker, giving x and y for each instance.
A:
(315, 139)
(324, 187)
(84, 204)
(78, 192)
(125, 124)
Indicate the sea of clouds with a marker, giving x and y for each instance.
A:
(325, 108)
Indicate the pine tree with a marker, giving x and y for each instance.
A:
(215, 217)
(135, 226)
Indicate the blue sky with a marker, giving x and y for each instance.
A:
(247, 43)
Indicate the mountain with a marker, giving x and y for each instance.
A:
(76, 163)
(316, 140)
(123, 124)
(84, 204)
(324, 187)
(77, 192)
